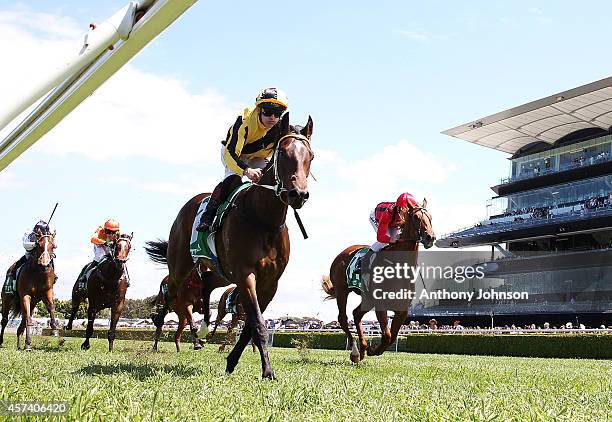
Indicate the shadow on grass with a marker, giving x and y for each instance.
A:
(139, 371)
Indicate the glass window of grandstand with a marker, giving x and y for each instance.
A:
(577, 197)
(593, 151)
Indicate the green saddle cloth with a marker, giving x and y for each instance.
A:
(353, 271)
(202, 244)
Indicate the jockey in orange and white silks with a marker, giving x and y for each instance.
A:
(104, 237)
(384, 220)
(247, 148)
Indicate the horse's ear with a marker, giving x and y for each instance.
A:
(132, 236)
(307, 130)
(424, 203)
(284, 125)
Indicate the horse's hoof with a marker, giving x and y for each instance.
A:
(197, 346)
(268, 375)
(355, 358)
(85, 346)
(27, 349)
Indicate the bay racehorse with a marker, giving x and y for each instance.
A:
(34, 283)
(222, 311)
(187, 301)
(414, 224)
(253, 241)
(106, 288)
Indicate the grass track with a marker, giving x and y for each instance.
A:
(133, 383)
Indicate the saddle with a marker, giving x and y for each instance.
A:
(202, 244)
(353, 271)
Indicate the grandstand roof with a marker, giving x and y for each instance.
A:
(544, 120)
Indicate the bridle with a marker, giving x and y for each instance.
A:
(412, 214)
(279, 188)
(49, 238)
(116, 244)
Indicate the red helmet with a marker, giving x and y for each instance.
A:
(404, 199)
(111, 225)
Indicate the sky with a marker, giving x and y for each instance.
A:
(380, 82)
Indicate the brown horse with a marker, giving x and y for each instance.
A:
(188, 300)
(253, 242)
(106, 288)
(34, 283)
(414, 227)
(222, 311)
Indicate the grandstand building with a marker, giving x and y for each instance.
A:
(549, 224)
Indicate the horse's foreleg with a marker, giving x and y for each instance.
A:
(26, 315)
(250, 304)
(158, 330)
(220, 317)
(48, 301)
(398, 320)
(91, 316)
(192, 327)
(385, 339)
(358, 314)
(234, 355)
(179, 331)
(75, 302)
(116, 312)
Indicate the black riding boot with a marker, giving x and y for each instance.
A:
(81, 278)
(208, 216)
(221, 192)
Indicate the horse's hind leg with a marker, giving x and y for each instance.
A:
(158, 330)
(343, 321)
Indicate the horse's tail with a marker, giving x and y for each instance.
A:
(157, 251)
(328, 287)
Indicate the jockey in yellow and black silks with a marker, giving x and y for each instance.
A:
(247, 148)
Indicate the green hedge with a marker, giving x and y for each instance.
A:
(592, 346)
(135, 334)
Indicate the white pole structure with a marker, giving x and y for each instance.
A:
(107, 47)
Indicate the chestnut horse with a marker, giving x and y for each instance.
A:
(34, 283)
(222, 311)
(414, 225)
(188, 300)
(106, 287)
(253, 242)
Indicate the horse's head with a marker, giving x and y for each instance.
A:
(45, 244)
(121, 248)
(291, 163)
(414, 224)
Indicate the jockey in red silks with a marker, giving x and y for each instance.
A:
(384, 220)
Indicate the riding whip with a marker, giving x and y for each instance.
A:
(52, 212)
(299, 221)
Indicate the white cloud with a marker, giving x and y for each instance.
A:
(9, 180)
(414, 35)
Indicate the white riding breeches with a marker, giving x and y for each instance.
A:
(100, 251)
